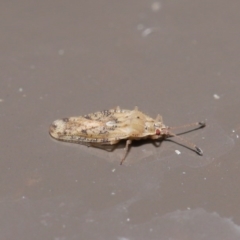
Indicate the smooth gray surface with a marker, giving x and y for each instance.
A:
(68, 58)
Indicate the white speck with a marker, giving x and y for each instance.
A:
(147, 31)
(20, 89)
(177, 152)
(188, 208)
(156, 6)
(123, 238)
(23, 197)
(76, 180)
(61, 51)
(113, 193)
(1, 100)
(216, 96)
(128, 219)
(113, 170)
(203, 137)
(183, 172)
(205, 178)
(233, 131)
(237, 136)
(110, 123)
(150, 230)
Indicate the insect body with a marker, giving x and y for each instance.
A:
(111, 126)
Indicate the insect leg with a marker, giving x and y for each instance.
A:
(128, 142)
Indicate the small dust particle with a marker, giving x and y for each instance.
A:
(113, 170)
(61, 51)
(156, 6)
(20, 89)
(183, 172)
(147, 31)
(177, 152)
(216, 96)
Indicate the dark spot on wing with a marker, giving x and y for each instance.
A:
(65, 119)
(52, 128)
(84, 131)
(87, 117)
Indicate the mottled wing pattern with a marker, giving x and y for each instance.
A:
(106, 127)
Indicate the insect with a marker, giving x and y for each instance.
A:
(111, 126)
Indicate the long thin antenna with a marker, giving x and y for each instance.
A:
(195, 124)
(188, 144)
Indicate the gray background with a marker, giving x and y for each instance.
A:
(70, 58)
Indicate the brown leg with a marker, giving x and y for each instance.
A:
(128, 142)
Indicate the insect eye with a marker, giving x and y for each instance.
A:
(158, 132)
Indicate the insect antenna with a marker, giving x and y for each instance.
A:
(195, 124)
(188, 144)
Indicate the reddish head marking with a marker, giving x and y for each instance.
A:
(158, 132)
